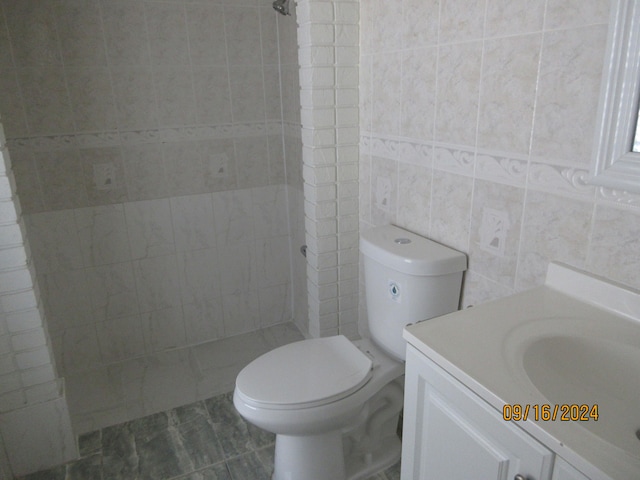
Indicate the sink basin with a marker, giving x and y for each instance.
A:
(588, 362)
(573, 341)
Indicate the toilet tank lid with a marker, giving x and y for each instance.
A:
(409, 253)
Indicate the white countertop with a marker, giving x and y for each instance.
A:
(481, 347)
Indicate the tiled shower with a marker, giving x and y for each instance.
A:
(147, 142)
(156, 152)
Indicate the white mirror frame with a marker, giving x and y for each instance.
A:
(615, 165)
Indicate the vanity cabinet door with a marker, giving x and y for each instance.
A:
(563, 471)
(450, 433)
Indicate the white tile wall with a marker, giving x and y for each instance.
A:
(159, 274)
(184, 100)
(35, 427)
(328, 36)
(490, 104)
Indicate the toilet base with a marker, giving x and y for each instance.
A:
(321, 457)
(313, 457)
(354, 452)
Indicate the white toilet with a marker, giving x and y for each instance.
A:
(334, 404)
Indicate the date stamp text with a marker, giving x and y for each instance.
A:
(567, 412)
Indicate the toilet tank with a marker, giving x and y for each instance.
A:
(408, 278)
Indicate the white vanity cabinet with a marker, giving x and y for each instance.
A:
(563, 471)
(451, 433)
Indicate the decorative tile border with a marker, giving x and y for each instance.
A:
(560, 179)
(618, 197)
(513, 170)
(502, 169)
(453, 159)
(401, 150)
(160, 135)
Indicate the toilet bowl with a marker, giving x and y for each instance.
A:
(318, 422)
(333, 403)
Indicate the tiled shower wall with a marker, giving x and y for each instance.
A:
(147, 142)
(35, 427)
(477, 125)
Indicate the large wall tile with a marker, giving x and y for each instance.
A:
(247, 95)
(163, 329)
(103, 235)
(193, 226)
(157, 283)
(569, 86)
(238, 263)
(167, 30)
(125, 32)
(212, 94)
(576, 13)
(386, 94)
(269, 209)
(205, 23)
(64, 183)
(175, 96)
(145, 172)
(81, 34)
(46, 100)
(555, 228)
(514, 17)
(496, 221)
(150, 228)
(419, 67)
(241, 312)
(462, 20)
(120, 338)
(92, 99)
(203, 320)
(509, 74)
(619, 227)
(243, 35)
(451, 209)
(234, 214)
(32, 29)
(112, 290)
(135, 98)
(67, 297)
(458, 92)
(200, 277)
(54, 240)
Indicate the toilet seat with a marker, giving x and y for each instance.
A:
(304, 374)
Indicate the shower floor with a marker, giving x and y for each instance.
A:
(150, 384)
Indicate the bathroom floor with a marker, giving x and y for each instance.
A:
(205, 440)
(171, 416)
